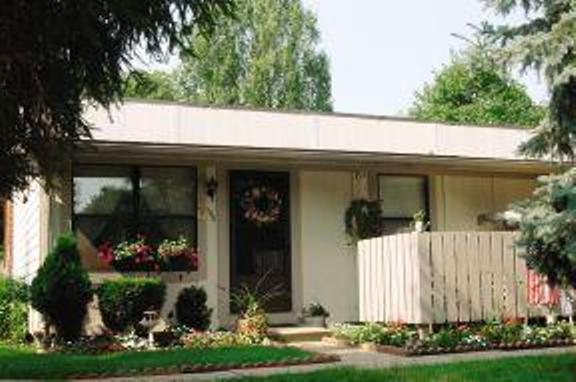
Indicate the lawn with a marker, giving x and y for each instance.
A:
(23, 363)
(557, 368)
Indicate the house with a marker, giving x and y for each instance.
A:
(161, 168)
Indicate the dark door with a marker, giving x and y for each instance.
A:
(260, 248)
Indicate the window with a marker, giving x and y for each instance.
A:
(112, 203)
(401, 197)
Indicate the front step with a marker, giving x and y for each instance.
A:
(297, 333)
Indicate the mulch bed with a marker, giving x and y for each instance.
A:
(192, 368)
(411, 352)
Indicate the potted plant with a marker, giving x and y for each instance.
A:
(250, 304)
(252, 321)
(315, 315)
(178, 255)
(130, 256)
(419, 221)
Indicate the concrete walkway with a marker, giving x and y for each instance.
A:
(350, 358)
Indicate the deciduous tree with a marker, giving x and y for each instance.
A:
(268, 56)
(473, 88)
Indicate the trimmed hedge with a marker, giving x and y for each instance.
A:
(123, 301)
(191, 308)
(62, 290)
(14, 296)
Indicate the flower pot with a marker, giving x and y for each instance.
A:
(315, 321)
(254, 326)
(130, 265)
(419, 226)
(180, 263)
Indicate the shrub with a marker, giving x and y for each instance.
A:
(547, 234)
(62, 290)
(123, 301)
(191, 309)
(13, 310)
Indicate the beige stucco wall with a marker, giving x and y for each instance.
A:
(328, 262)
(457, 201)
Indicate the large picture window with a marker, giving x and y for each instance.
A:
(113, 203)
(401, 197)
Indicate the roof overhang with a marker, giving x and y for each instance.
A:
(150, 130)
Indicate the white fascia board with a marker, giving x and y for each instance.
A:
(160, 123)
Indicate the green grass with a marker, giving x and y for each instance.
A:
(557, 368)
(23, 363)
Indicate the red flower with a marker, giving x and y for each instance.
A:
(106, 253)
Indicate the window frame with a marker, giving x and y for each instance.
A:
(426, 190)
(135, 171)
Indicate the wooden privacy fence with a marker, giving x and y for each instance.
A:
(438, 277)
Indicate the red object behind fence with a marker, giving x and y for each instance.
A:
(539, 290)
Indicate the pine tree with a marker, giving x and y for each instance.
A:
(545, 42)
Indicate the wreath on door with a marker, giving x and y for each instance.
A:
(261, 205)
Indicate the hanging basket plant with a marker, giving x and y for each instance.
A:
(363, 220)
(261, 205)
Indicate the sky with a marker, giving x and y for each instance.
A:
(382, 51)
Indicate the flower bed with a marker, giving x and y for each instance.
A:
(404, 340)
(209, 339)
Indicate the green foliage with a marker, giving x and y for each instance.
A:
(218, 339)
(394, 335)
(14, 298)
(62, 290)
(123, 301)
(152, 85)
(451, 337)
(547, 229)
(267, 56)
(473, 89)
(363, 219)
(59, 54)
(498, 332)
(315, 310)
(545, 42)
(191, 308)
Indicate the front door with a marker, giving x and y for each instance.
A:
(260, 247)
